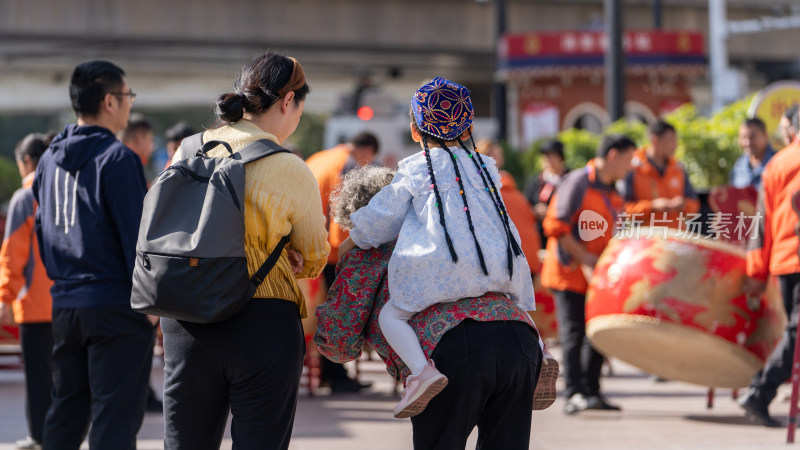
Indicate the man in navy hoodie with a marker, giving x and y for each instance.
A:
(90, 189)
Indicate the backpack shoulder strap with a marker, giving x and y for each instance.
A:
(195, 141)
(257, 150)
(262, 272)
(253, 152)
(192, 143)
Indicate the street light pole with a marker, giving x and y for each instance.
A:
(499, 85)
(614, 60)
(718, 53)
(657, 14)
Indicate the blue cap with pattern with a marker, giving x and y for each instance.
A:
(443, 109)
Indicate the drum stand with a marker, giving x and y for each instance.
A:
(710, 397)
(792, 422)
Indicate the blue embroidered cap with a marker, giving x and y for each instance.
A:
(443, 109)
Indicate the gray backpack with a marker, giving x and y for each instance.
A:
(190, 255)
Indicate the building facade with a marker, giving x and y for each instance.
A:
(183, 53)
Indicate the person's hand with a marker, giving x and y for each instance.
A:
(540, 209)
(588, 262)
(345, 247)
(676, 203)
(660, 204)
(6, 315)
(537, 283)
(589, 259)
(295, 260)
(153, 319)
(754, 287)
(587, 272)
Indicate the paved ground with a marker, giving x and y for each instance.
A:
(655, 416)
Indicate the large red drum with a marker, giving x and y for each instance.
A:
(545, 315)
(734, 210)
(315, 292)
(9, 340)
(673, 306)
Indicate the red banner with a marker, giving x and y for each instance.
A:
(594, 43)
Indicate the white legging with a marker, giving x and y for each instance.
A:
(400, 335)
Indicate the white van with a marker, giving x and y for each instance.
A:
(393, 133)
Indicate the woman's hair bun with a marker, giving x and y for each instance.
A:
(230, 107)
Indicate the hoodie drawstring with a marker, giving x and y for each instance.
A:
(55, 184)
(68, 221)
(66, 203)
(74, 197)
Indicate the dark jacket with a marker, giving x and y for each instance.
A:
(90, 189)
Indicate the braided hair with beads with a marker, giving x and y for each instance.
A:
(453, 159)
(439, 204)
(512, 244)
(441, 111)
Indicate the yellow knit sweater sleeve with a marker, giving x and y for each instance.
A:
(281, 197)
(309, 235)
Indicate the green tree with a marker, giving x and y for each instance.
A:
(310, 134)
(633, 129)
(579, 147)
(707, 146)
(9, 179)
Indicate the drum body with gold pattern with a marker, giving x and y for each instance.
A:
(673, 306)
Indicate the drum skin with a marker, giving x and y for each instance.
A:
(674, 307)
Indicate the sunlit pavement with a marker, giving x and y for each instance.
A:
(667, 415)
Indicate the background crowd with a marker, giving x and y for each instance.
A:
(89, 186)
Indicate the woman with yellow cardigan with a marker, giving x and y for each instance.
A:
(251, 363)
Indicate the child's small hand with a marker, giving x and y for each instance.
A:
(345, 247)
(295, 260)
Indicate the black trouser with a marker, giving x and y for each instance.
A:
(581, 363)
(249, 365)
(778, 368)
(36, 340)
(332, 372)
(102, 359)
(492, 369)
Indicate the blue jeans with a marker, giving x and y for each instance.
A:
(492, 369)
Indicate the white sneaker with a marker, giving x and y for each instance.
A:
(419, 391)
(28, 443)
